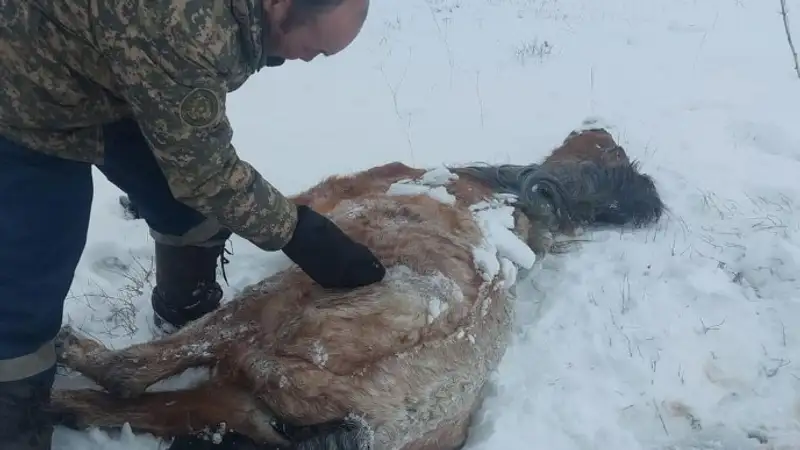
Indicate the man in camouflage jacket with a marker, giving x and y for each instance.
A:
(137, 88)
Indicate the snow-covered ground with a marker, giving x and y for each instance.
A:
(681, 336)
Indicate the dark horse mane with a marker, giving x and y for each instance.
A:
(575, 192)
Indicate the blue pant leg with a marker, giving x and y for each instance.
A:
(188, 244)
(130, 165)
(45, 203)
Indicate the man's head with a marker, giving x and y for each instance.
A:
(305, 29)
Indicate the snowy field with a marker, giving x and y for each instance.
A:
(682, 336)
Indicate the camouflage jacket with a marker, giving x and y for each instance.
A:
(69, 66)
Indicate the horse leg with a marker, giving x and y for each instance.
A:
(186, 414)
(168, 414)
(129, 372)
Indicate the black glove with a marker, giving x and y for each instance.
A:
(328, 255)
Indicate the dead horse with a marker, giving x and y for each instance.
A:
(398, 365)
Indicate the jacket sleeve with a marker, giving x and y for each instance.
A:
(182, 115)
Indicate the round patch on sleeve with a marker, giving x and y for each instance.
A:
(200, 108)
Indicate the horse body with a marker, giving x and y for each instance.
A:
(398, 365)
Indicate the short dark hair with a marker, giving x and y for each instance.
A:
(315, 4)
(310, 8)
(302, 11)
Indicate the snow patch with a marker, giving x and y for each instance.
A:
(201, 350)
(496, 201)
(408, 188)
(494, 217)
(435, 308)
(355, 211)
(486, 260)
(500, 242)
(436, 292)
(432, 183)
(593, 123)
(439, 176)
(319, 355)
(509, 272)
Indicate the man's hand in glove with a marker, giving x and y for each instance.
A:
(328, 255)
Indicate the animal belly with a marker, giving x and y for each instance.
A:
(408, 358)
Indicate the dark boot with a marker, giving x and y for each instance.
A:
(186, 284)
(25, 423)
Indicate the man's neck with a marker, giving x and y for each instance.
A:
(255, 33)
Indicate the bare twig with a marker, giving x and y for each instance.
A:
(619, 328)
(394, 90)
(783, 333)
(706, 328)
(772, 371)
(786, 27)
(443, 37)
(660, 417)
(478, 92)
(122, 307)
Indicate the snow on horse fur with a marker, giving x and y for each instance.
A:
(396, 365)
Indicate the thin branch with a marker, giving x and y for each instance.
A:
(786, 27)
